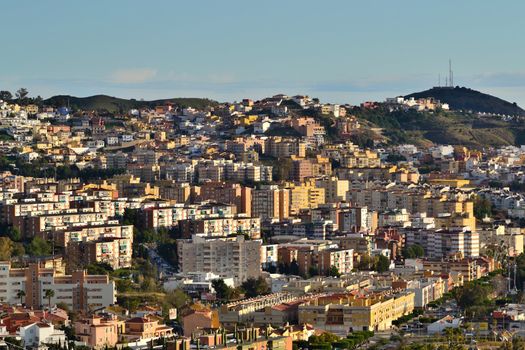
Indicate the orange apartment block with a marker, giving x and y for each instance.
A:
(310, 167)
(232, 193)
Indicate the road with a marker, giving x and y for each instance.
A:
(163, 267)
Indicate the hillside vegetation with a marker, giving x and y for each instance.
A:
(443, 128)
(465, 99)
(120, 105)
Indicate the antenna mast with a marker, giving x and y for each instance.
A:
(450, 74)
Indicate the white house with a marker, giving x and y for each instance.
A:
(126, 137)
(39, 333)
(112, 140)
(96, 144)
(29, 156)
(261, 127)
(440, 325)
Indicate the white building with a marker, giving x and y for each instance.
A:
(442, 324)
(195, 283)
(235, 258)
(40, 333)
(78, 291)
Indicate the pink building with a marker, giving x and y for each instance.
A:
(98, 332)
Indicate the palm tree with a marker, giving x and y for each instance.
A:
(20, 295)
(49, 293)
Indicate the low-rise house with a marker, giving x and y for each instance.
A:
(143, 328)
(98, 332)
(440, 325)
(39, 333)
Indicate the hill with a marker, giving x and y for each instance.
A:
(441, 127)
(465, 99)
(116, 105)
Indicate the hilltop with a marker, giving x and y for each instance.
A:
(442, 127)
(116, 105)
(465, 99)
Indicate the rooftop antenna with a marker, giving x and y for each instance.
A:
(450, 74)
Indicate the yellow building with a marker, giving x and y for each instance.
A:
(450, 182)
(449, 213)
(361, 159)
(305, 196)
(343, 313)
(31, 109)
(335, 189)
(246, 120)
(14, 107)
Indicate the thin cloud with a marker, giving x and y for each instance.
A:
(501, 79)
(133, 75)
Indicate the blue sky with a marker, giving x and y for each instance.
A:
(341, 51)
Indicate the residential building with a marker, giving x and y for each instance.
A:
(79, 291)
(98, 332)
(344, 313)
(227, 257)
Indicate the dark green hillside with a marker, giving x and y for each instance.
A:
(461, 98)
(120, 105)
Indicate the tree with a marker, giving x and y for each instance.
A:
(14, 341)
(168, 251)
(48, 294)
(419, 251)
(6, 248)
(21, 94)
(6, 95)
(148, 285)
(482, 207)
(132, 217)
(395, 158)
(14, 234)
(20, 294)
(413, 251)
(38, 247)
(333, 271)
(294, 267)
(18, 249)
(473, 294)
(177, 298)
(124, 285)
(99, 268)
(253, 287)
(63, 306)
(323, 338)
(366, 262)
(383, 264)
(313, 271)
(221, 289)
